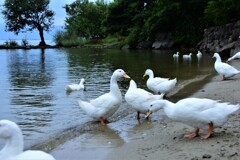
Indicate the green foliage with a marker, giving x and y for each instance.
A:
(144, 20)
(25, 43)
(110, 39)
(85, 18)
(133, 37)
(65, 39)
(11, 43)
(220, 12)
(122, 15)
(113, 41)
(21, 16)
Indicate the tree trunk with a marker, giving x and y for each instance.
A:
(42, 42)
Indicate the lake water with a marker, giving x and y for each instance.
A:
(33, 83)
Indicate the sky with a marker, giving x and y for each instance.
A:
(60, 15)
(55, 5)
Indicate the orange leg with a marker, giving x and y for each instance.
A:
(210, 131)
(192, 135)
(102, 121)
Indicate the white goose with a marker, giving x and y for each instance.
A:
(166, 86)
(235, 56)
(153, 81)
(196, 112)
(224, 69)
(140, 99)
(189, 56)
(107, 104)
(13, 149)
(176, 55)
(199, 54)
(76, 87)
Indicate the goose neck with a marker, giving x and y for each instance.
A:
(114, 89)
(13, 145)
(167, 106)
(151, 75)
(218, 58)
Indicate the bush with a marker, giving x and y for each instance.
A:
(25, 43)
(62, 38)
(11, 43)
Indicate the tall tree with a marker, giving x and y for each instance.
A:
(219, 12)
(22, 16)
(85, 18)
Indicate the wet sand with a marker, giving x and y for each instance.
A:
(160, 138)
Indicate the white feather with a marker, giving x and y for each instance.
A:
(140, 99)
(159, 85)
(196, 112)
(107, 104)
(76, 87)
(13, 149)
(235, 56)
(224, 69)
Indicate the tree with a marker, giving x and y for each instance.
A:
(219, 12)
(22, 16)
(85, 18)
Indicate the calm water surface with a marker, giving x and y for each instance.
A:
(33, 82)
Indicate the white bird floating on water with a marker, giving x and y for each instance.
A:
(199, 113)
(13, 149)
(159, 85)
(224, 69)
(235, 56)
(107, 104)
(189, 56)
(176, 55)
(140, 99)
(199, 54)
(76, 87)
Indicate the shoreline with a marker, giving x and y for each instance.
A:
(166, 140)
(160, 138)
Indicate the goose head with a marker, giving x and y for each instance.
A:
(119, 73)
(217, 56)
(154, 107)
(12, 135)
(7, 129)
(148, 72)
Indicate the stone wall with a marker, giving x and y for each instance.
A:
(162, 41)
(222, 39)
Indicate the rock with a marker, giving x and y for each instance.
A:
(163, 41)
(206, 156)
(222, 39)
(145, 45)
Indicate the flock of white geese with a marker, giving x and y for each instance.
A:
(200, 113)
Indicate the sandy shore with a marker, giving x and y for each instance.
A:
(161, 138)
(166, 141)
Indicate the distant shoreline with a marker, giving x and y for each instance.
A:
(30, 42)
(29, 47)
